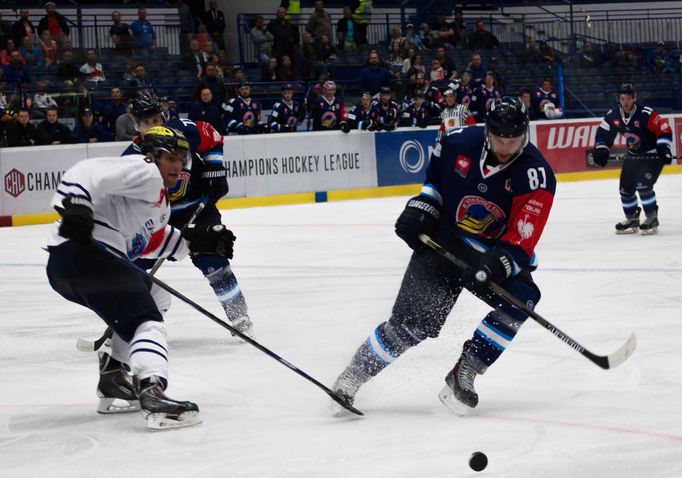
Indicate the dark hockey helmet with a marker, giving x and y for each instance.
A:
(145, 107)
(163, 138)
(627, 89)
(507, 118)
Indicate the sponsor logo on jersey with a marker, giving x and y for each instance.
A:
(480, 216)
(137, 245)
(524, 227)
(462, 165)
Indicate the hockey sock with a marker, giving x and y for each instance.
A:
(648, 199)
(224, 284)
(149, 351)
(629, 202)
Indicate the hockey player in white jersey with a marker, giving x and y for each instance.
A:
(120, 206)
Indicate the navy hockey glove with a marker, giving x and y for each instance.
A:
(214, 180)
(345, 127)
(241, 128)
(371, 126)
(77, 219)
(389, 126)
(664, 153)
(600, 155)
(205, 239)
(420, 216)
(493, 266)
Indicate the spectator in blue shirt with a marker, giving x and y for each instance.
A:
(112, 109)
(659, 61)
(374, 76)
(15, 73)
(88, 130)
(145, 37)
(205, 110)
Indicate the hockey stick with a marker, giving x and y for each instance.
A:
(85, 345)
(233, 330)
(604, 361)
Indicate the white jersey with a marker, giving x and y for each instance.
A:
(131, 206)
(455, 117)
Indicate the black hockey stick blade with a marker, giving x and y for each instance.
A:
(604, 361)
(234, 331)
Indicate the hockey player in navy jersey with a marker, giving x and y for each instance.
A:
(364, 115)
(242, 113)
(545, 101)
(287, 113)
(389, 110)
(417, 113)
(483, 96)
(328, 112)
(487, 196)
(649, 147)
(123, 205)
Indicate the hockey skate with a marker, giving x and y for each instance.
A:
(161, 412)
(115, 388)
(630, 225)
(345, 387)
(244, 325)
(459, 394)
(650, 224)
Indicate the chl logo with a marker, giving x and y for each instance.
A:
(15, 183)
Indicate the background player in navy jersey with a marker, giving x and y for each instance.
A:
(123, 204)
(242, 113)
(203, 178)
(328, 112)
(364, 115)
(286, 113)
(648, 138)
(417, 112)
(486, 198)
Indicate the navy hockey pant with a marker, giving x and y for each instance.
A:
(429, 291)
(94, 278)
(638, 176)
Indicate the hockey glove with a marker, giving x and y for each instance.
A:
(214, 181)
(205, 239)
(389, 126)
(421, 216)
(664, 153)
(77, 219)
(600, 155)
(241, 128)
(371, 126)
(345, 127)
(493, 266)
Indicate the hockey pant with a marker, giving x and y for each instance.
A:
(122, 297)
(638, 176)
(429, 290)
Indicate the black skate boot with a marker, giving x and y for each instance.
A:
(650, 224)
(630, 225)
(459, 394)
(162, 412)
(115, 388)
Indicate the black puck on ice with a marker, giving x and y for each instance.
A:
(478, 461)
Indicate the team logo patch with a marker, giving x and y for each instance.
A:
(137, 245)
(328, 119)
(181, 187)
(462, 165)
(524, 227)
(482, 187)
(249, 119)
(480, 216)
(632, 141)
(291, 121)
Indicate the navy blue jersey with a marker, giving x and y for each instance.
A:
(491, 206)
(285, 117)
(243, 114)
(414, 115)
(464, 94)
(327, 114)
(360, 118)
(540, 98)
(643, 129)
(389, 113)
(481, 99)
(205, 145)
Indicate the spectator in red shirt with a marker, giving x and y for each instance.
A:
(54, 22)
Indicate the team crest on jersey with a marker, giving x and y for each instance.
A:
(137, 245)
(636, 123)
(462, 165)
(632, 141)
(249, 119)
(328, 119)
(181, 187)
(291, 121)
(480, 216)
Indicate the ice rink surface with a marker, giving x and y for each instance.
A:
(318, 278)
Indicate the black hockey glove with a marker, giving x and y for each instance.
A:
(205, 239)
(600, 155)
(389, 126)
(77, 219)
(241, 129)
(664, 153)
(214, 181)
(371, 126)
(344, 126)
(493, 266)
(420, 216)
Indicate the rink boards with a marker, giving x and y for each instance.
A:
(301, 167)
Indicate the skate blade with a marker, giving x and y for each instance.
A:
(632, 230)
(337, 411)
(110, 406)
(447, 398)
(161, 421)
(648, 232)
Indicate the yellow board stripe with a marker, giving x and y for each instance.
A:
(341, 195)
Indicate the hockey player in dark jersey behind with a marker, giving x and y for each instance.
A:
(649, 141)
(486, 198)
